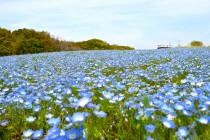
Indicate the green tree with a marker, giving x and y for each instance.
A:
(4, 48)
(31, 41)
(26, 41)
(97, 44)
(5, 42)
(196, 43)
(30, 46)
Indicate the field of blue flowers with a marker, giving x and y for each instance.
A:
(139, 95)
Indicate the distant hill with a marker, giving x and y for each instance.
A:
(28, 41)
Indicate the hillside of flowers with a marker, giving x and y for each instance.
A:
(136, 94)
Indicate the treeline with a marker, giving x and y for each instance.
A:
(28, 41)
(97, 44)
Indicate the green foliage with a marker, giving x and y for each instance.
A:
(24, 41)
(5, 42)
(28, 41)
(196, 43)
(97, 44)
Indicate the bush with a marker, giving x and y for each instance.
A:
(196, 44)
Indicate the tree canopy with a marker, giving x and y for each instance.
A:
(28, 41)
(97, 44)
(196, 43)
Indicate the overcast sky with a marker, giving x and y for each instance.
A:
(142, 24)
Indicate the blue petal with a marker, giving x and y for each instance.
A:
(183, 131)
(53, 133)
(54, 121)
(28, 133)
(179, 106)
(30, 119)
(100, 114)
(83, 101)
(78, 117)
(72, 134)
(37, 108)
(68, 118)
(166, 109)
(168, 123)
(150, 128)
(204, 119)
(149, 138)
(38, 134)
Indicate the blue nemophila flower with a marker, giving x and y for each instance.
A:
(30, 119)
(183, 131)
(85, 94)
(179, 106)
(2, 93)
(91, 105)
(6, 89)
(27, 105)
(102, 98)
(68, 118)
(48, 116)
(59, 96)
(183, 81)
(203, 107)
(54, 121)
(49, 108)
(148, 111)
(204, 119)
(175, 98)
(168, 123)
(166, 109)
(171, 116)
(67, 91)
(119, 86)
(38, 134)
(149, 138)
(193, 125)
(189, 105)
(150, 128)
(72, 134)
(207, 102)
(22, 92)
(107, 94)
(58, 88)
(78, 117)
(100, 114)
(37, 101)
(27, 139)
(58, 102)
(68, 126)
(156, 102)
(62, 132)
(99, 85)
(187, 112)
(194, 94)
(4, 122)
(81, 130)
(59, 138)
(37, 108)
(131, 90)
(83, 101)
(27, 133)
(72, 99)
(117, 98)
(30, 98)
(53, 133)
(46, 98)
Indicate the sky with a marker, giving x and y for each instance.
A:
(142, 24)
